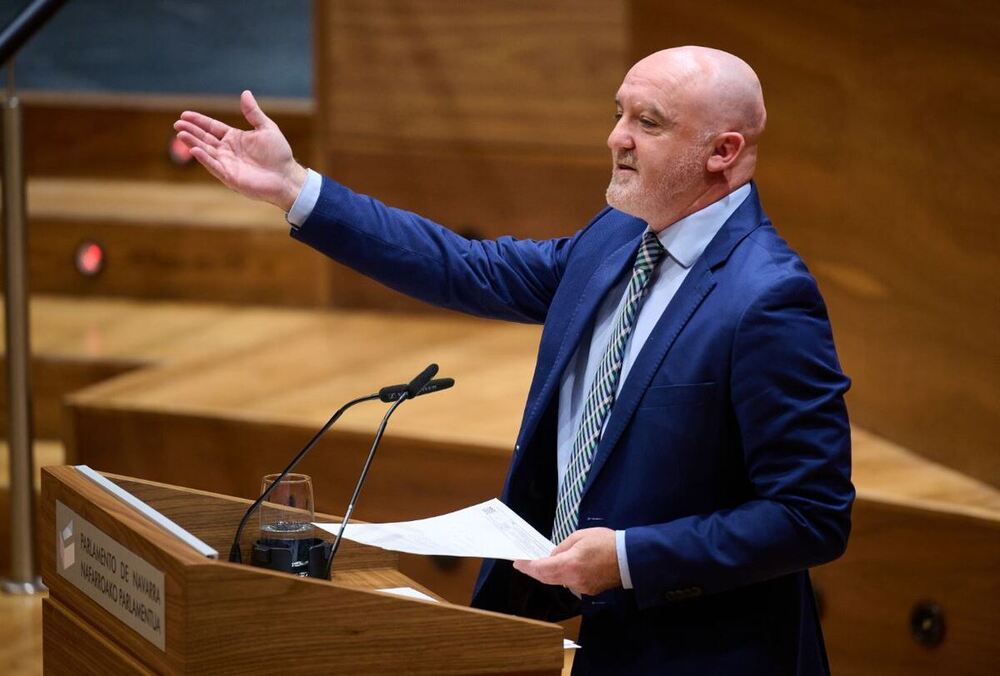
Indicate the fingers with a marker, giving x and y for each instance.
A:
(192, 142)
(585, 562)
(570, 540)
(550, 570)
(184, 127)
(251, 111)
(210, 163)
(206, 123)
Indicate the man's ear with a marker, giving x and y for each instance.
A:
(726, 149)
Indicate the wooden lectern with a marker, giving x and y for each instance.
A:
(224, 618)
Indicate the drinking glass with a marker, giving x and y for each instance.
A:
(286, 517)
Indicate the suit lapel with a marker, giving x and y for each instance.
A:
(590, 297)
(696, 287)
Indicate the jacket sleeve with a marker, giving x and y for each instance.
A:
(505, 278)
(787, 396)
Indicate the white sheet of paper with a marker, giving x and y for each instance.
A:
(408, 592)
(489, 530)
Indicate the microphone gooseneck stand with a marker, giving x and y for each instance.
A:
(235, 556)
(412, 390)
(394, 394)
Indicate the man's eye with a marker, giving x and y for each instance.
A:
(618, 116)
(646, 122)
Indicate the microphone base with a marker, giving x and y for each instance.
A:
(306, 557)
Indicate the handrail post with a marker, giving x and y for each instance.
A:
(23, 572)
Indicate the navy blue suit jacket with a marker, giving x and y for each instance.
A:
(726, 457)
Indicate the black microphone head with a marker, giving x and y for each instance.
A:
(391, 393)
(437, 385)
(417, 384)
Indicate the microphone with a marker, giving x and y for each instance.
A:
(235, 556)
(417, 384)
(413, 389)
(394, 392)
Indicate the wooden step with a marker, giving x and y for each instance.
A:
(291, 368)
(52, 378)
(887, 472)
(125, 136)
(76, 343)
(169, 241)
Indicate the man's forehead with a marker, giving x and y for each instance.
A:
(646, 95)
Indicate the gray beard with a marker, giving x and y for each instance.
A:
(628, 197)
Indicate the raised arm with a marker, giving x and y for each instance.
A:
(506, 278)
(257, 163)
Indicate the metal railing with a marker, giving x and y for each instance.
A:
(23, 578)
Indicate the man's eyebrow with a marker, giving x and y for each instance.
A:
(652, 107)
(656, 110)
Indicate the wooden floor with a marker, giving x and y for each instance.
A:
(21, 627)
(292, 367)
(21, 616)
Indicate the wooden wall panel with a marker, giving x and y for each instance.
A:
(125, 136)
(490, 117)
(495, 73)
(901, 555)
(874, 167)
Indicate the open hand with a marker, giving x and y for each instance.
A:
(257, 163)
(586, 562)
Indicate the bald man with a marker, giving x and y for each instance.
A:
(685, 439)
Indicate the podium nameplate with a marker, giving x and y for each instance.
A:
(121, 582)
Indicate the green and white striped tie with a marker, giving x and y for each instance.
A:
(602, 392)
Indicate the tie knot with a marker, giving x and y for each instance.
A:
(650, 252)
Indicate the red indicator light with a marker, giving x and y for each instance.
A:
(89, 259)
(179, 153)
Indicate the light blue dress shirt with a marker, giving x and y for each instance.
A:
(306, 201)
(684, 241)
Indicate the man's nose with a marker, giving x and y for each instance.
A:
(620, 138)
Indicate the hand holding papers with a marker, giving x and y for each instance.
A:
(489, 530)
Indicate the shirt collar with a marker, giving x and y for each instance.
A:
(686, 239)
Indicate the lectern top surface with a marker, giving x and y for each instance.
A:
(153, 515)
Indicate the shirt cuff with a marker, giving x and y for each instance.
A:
(622, 559)
(306, 201)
